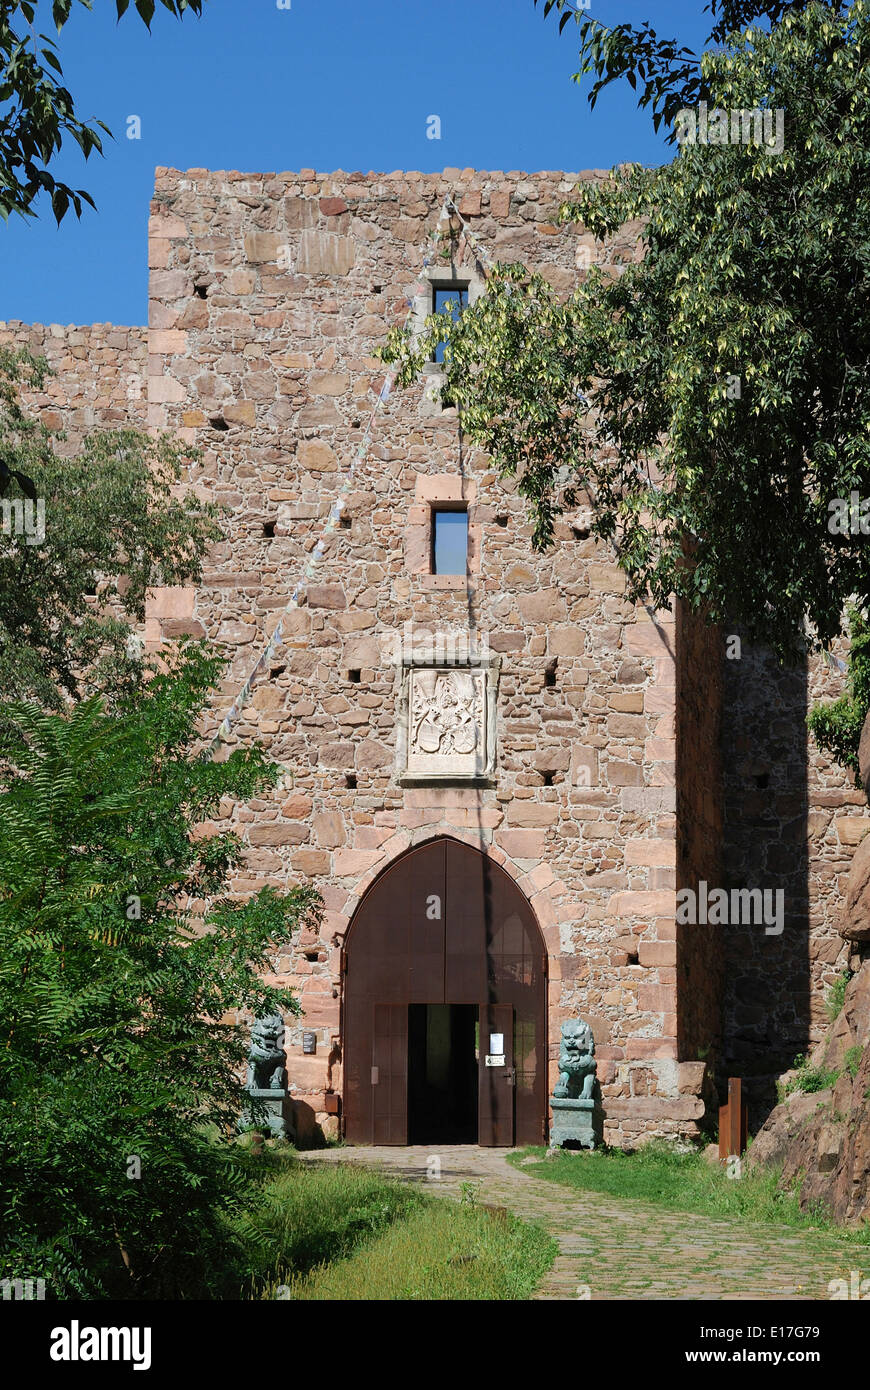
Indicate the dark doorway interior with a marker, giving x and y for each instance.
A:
(442, 1074)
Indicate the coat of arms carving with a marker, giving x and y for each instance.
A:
(447, 722)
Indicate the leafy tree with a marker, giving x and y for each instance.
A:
(671, 75)
(837, 725)
(37, 111)
(713, 400)
(112, 528)
(121, 956)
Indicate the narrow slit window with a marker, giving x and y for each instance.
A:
(451, 299)
(449, 541)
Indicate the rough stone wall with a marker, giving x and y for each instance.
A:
(792, 820)
(99, 375)
(699, 832)
(268, 296)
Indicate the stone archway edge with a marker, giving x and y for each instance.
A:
(539, 885)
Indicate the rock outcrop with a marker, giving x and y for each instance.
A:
(823, 1138)
(856, 915)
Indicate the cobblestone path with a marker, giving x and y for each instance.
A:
(630, 1249)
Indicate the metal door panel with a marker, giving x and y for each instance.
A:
(444, 924)
(496, 1083)
(389, 1074)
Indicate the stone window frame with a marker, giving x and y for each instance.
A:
(430, 657)
(440, 277)
(436, 491)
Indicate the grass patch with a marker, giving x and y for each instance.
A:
(852, 1060)
(836, 996)
(307, 1215)
(340, 1231)
(807, 1079)
(659, 1174)
(438, 1252)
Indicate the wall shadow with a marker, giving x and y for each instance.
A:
(766, 1019)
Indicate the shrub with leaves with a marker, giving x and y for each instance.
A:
(38, 112)
(837, 725)
(121, 958)
(713, 395)
(835, 997)
(112, 528)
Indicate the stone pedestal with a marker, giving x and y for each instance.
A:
(573, 1122)
(279, 1120)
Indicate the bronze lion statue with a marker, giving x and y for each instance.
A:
(266, 1058)
(576, 1062)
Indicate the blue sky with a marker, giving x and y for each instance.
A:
(325, 84)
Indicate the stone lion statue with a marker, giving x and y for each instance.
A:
(576, 1062)
(266, 1059)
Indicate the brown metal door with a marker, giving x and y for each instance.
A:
(494, 952)
(444, 925)
(389, 1077)
(495, 1108)
(395, 955)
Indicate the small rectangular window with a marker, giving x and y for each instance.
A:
(449, 541)
(451, 299)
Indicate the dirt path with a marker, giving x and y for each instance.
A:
(627, 1250)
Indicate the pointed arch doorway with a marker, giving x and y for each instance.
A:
(445, 1005)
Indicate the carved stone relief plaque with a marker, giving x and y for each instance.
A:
(447, 722)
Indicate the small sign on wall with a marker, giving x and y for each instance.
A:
(309, 1042)
(495, 1061)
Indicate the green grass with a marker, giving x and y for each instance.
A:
(658, 1174)
(438, 1252)
(836, 996)
(852, 1060)
(339, 1231)
(808, 1079)
(308, 1215)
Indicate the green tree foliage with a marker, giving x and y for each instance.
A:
(70, 603)
(714, 398)
(670, 75)
(120, 957)
(837, 725)
(37, 112)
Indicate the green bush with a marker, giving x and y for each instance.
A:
(836, 996)
(810, 1079)
(837, 726)
(115, 1057)
(852, 1060)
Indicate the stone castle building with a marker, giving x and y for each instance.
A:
(498, 772)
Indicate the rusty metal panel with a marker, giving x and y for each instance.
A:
(394, 954)
(496, 1083)
(425, 910)
(389, 1074)
(469, 893)
(496, 955)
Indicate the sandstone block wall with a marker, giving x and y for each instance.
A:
(699, 948)
(268, 294)
(98, 379)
